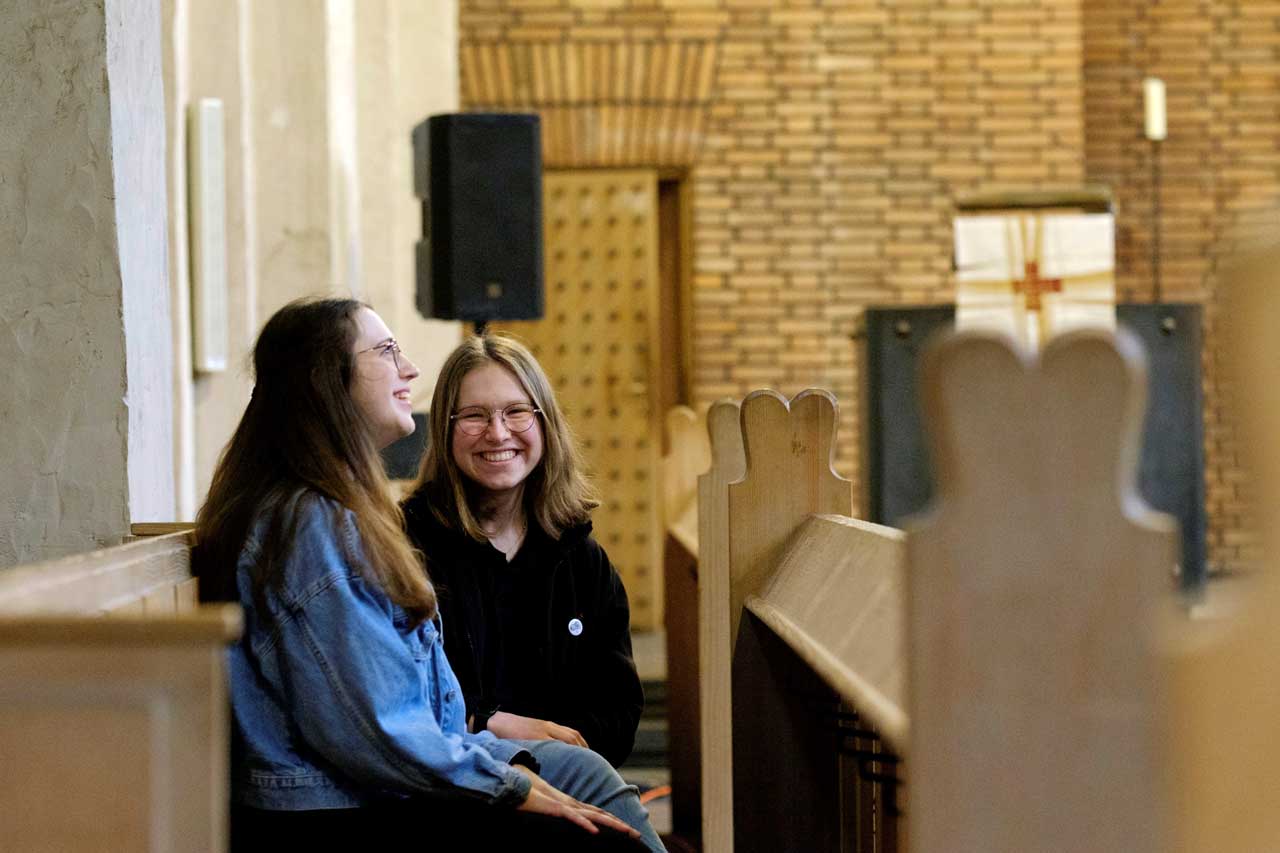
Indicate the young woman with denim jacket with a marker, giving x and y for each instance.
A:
(539, 625)
(347, 719)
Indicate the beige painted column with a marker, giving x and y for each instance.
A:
(289, 152)
(407, 58)
(218, 47)
(375, 45)
(205, 57)
(84, 307)
(268, 62)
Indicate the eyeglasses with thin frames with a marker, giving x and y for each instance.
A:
(385, 348)
(517, 417)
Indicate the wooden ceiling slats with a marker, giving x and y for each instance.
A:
(602, 103)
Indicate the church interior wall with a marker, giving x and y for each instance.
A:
(319, 100)
(835, 143)
(836, 139)
(69, 402)
(137, 156)
(839, 135)
(1219, 174)
(106, 420)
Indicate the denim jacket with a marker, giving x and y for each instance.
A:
(336, 701)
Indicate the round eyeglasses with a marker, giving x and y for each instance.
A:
(389, 347)
(474, 420)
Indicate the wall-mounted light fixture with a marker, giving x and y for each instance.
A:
(207, 197)
(1156, 127)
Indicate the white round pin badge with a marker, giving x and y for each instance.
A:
(575, 627)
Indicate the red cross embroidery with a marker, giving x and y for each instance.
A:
(1033, 285)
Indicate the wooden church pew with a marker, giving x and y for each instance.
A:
(688, 454)
(113, 707)
(993, 674)
(1226, 697)
(1019, 612)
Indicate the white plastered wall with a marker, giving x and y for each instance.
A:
(138, 156)
(319, 98)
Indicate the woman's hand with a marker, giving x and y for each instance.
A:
(516, 727)
(544, 799)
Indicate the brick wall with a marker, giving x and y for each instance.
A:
(839, 134)
(1219, 170)
(835, 147)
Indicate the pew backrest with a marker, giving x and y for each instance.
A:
(715, 654)
(1226, 700)
(1035, 581)
(113, 706)
(688, 456)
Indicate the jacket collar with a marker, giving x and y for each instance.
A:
(431, 533)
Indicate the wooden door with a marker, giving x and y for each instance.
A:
(598, 341)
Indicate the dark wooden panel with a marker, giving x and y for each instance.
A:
(1171, 470)
(786, 761)
(1171, 467)
(402, 458)
(898, 480)
(684, 736)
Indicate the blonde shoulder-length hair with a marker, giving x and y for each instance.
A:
(556, 493)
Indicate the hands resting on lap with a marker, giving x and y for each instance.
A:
(516, 727)
(544, 799)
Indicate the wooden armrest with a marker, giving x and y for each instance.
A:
(210, 623)
(98, 580)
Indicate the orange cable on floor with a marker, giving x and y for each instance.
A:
(655, 793)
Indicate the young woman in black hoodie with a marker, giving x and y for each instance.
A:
(537, 625)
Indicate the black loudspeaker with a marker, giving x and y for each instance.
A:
(479, 176)
(401, 458)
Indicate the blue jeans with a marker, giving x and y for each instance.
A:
(585, 776)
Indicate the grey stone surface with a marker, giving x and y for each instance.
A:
(63, 479)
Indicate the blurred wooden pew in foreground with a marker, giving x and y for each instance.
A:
(113, 705)
(1014, 672)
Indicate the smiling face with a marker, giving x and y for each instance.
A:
(497, 460)
(380, 382)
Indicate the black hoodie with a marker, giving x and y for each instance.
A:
(547, 635)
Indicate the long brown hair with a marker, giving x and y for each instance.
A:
(556, 492)
(302, 436)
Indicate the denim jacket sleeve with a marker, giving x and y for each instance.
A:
(363, 697)
(503, 750)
